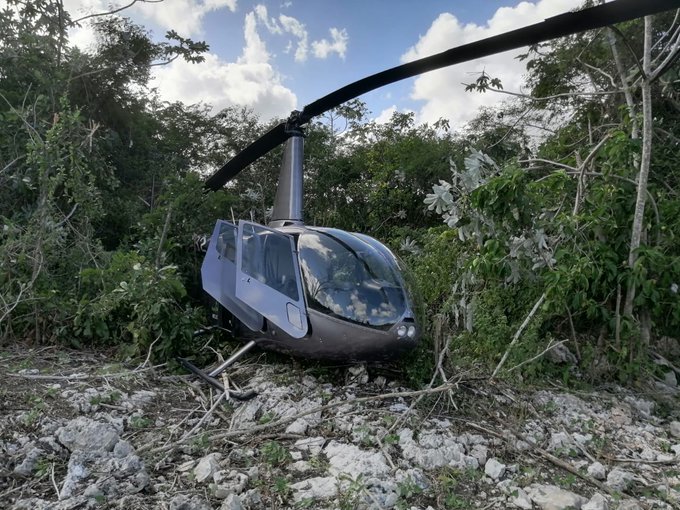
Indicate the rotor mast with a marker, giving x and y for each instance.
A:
(289, 193)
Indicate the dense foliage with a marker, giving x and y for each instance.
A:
(555, 214)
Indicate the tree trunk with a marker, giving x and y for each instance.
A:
(645, 159)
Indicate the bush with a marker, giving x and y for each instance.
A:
(133, 303)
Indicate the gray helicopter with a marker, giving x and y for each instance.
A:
(324, 293)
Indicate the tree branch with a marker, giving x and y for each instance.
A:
(528, 318)
(114, 11)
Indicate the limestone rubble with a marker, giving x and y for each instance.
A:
(85, 439)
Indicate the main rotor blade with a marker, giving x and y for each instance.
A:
(616, 11)
(268, 141)
(569, 23)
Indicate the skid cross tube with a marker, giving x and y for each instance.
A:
(210, 376)
(232, 359)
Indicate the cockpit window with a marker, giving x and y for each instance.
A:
(351, 279)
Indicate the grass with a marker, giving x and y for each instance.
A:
(140, 422)
(275, 454)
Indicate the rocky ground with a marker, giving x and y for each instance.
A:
(80, 431)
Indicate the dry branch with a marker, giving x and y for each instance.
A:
(284, 421)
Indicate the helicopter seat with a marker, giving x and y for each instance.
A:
(253, 257)
(226, 242)
(278, 265)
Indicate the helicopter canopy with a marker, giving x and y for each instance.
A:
(352, 279)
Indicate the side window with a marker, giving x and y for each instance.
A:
(267, 256)
(268, 277)
(226, 241)
(218, 274)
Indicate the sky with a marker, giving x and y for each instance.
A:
(276, 56)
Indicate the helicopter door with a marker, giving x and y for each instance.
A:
(268, 277)
(218, 274)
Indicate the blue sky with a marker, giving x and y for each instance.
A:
(277, 56)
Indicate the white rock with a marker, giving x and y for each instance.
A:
(521, 499)
(26, 467)
(412, 476)
(357, 374)
(122, 449)
(299, 426)
(88, 435)
(435, 449)
(561, 354)
(312, 445)
(221, 491)
(675, 429)
(597, 502)
(582, 439)
(315, 488)
(253, 473)
(141, 398)
(619, 480)
(301, 466)
(647, 453)
(232, 502)
(234, 481)
(252, 498)
(670, 379)
(93, 492)
(620, 414)
(399, 408)
(522, 445)
(207, 467)
(628, 504)
(644, 407)
(559, 440)
(551, 497)
(494, 469)
(597, 471)
(309, 381)
(183, 502)
(351, 460)
(75, 473)
(480, 452)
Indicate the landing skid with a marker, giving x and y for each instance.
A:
(210, 377)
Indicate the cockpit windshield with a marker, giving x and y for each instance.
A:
(351, 279)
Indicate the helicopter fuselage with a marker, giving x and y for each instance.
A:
(312, 292)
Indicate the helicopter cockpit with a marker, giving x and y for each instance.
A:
(349, 277)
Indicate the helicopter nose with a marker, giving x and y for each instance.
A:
(407, 330)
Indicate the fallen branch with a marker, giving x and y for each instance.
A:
(204, 418)
(77, 377)
(550, 347)
(284, 421)
(528, 318)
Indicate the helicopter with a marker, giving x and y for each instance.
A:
(324, 293)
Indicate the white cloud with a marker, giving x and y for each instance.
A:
(323, 48)
(442, 90)
(263, 16)
(386, 115)
(296, 28)
(183, 16)
(255, 50)
(250, 81)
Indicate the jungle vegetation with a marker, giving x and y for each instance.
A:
(551, 219)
